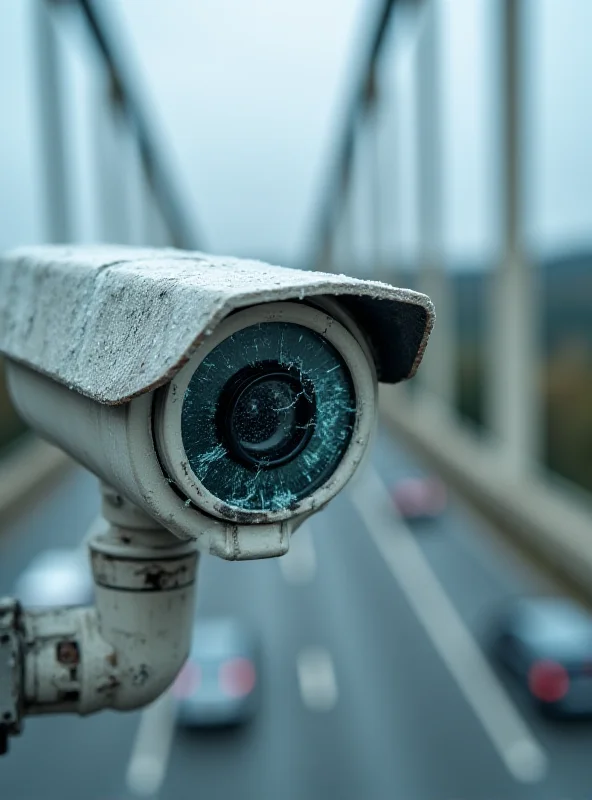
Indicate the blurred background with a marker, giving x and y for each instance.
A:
(441, 145)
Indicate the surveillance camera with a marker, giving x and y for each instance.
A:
(220, 401)
(226, 398)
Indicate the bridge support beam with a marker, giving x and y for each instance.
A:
(438, 373)
(514, 412)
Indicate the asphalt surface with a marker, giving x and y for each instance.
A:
(374, 681)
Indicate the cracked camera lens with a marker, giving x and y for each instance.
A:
(267, 416)
(263, 420)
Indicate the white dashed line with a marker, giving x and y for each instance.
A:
(316, 679)
(299, 565)
(148, 763)
(522, 755)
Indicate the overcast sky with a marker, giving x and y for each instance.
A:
(249, 94)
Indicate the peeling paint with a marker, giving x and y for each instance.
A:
(68, 652)
(157, 577)
(141, 675)
(111, 683)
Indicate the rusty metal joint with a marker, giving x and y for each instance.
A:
(11, 671)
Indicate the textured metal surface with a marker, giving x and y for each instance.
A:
(124, 651)
(10, 671)
(113, 322)
(142, 574)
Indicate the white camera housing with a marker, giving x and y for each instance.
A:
(102, 345)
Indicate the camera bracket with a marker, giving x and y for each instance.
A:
(123, 652)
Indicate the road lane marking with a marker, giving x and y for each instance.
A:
(299, 565)
(522, 755)
(316, 679)
(150, 754)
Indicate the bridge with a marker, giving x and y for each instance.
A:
(398, 614)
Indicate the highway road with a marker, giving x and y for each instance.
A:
(375, 683)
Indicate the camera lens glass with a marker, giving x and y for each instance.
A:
(268, 415)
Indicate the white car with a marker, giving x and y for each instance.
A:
(56, 577)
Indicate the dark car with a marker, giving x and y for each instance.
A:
(219, 683)
(546, 642)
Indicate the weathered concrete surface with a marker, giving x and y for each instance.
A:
(114, 322)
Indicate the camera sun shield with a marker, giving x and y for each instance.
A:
(114, 322)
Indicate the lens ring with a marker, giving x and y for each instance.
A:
(174, 405)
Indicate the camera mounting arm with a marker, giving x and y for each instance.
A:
(121, 653)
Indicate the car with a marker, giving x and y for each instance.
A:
(546, 643)
(56, 577)
(419, 498)
(219, 685)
